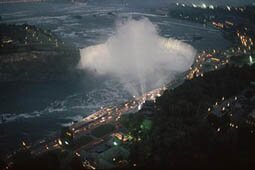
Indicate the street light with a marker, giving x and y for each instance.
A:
(115, 143)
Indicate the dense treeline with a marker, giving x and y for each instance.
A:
(181, 136)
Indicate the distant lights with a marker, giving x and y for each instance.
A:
(228, 8)
(60, 142)
(211, 6)
(195, 6)
(67, 143)
(23, 143)
(233, 125)
(250, 58)
(139, 106)
(203, 6)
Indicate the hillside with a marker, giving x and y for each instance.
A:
(182, 136)
(34, 54)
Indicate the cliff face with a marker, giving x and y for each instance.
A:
(29, 53)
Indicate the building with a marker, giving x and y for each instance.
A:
(234, 112)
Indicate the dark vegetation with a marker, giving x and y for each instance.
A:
(181, 136)
(102, 130)
(24, 160)
(33, 54)
(52, 160)
(83, 140)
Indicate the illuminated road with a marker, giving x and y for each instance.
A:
(103, 116)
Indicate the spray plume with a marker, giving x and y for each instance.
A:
(138, 56)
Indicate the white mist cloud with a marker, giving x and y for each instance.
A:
(138, 56)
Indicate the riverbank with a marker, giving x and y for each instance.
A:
(28, 53)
